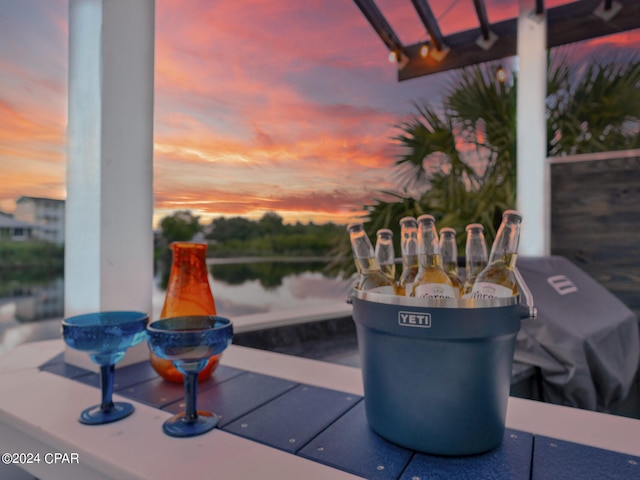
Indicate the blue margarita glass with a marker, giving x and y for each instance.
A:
(189, 342)
(105, 336)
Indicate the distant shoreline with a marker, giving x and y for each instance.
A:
(273, 259)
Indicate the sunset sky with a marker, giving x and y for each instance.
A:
(260, 105)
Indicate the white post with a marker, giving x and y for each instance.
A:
(532, 184)
(109, 208)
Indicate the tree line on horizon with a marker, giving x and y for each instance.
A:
(239, 236)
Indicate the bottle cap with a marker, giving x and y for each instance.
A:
(426, 217)
(515, 213)
(474, 226)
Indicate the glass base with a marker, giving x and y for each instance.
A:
(96, 416)
(177, 426)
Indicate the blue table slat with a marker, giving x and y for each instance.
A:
(553, 459)
(349, 444)
(132, 374)
(59, 358)
(57, 366)
(238, 396)
(510, 461)
(92, 379)
(291, 420)
(159, 393)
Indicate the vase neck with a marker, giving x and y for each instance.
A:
(188, 290)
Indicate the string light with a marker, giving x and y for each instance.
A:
(424, 51)
(393, 57)
(501, 75)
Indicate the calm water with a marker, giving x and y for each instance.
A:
(32, 312)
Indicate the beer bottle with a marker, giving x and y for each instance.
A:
(385, 254)
(370, 277)
(449, 252)
(409, 248)
(498, 278)
(476, 256)
(431, 281)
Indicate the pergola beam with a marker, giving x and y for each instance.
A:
(463, 51)
(481, 12)
(431, 24)
(566, 24)
(379, 23)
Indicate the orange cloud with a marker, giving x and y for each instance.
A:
(18, 127)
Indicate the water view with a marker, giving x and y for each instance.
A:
(32, 311)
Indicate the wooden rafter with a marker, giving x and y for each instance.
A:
(481, 12)
(573, 22)
(379, 23)
(430, 23)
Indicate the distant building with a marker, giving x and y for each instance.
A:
(46, 213)
(15, 230)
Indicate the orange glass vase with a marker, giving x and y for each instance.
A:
(188, 293)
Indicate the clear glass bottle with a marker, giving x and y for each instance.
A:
(476, 256)
(498, 278)
(409, 248)
(385, 253)
(432, 281)
(449, 252)
(370, 277)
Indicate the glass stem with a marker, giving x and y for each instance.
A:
(106, 384)
(190, 393)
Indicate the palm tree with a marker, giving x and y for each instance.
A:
(461, 159)
(596, 110)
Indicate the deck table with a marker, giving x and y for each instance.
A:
(283, 417)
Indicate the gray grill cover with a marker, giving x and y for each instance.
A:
(585, 340)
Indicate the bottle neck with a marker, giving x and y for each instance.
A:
(505, 246)
(384, 252)
(363, 252)
(507, 259)
(474, 267)
(430, 260)
(366, 265)
(449, 252)
(429, 246)
(476, 254)
(409, 243)
(450, 267)
(410, 260)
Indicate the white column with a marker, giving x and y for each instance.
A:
(532, 183)
(109, 208)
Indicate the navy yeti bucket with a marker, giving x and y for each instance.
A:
(437, 379)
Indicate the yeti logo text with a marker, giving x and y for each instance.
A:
(413, 319)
